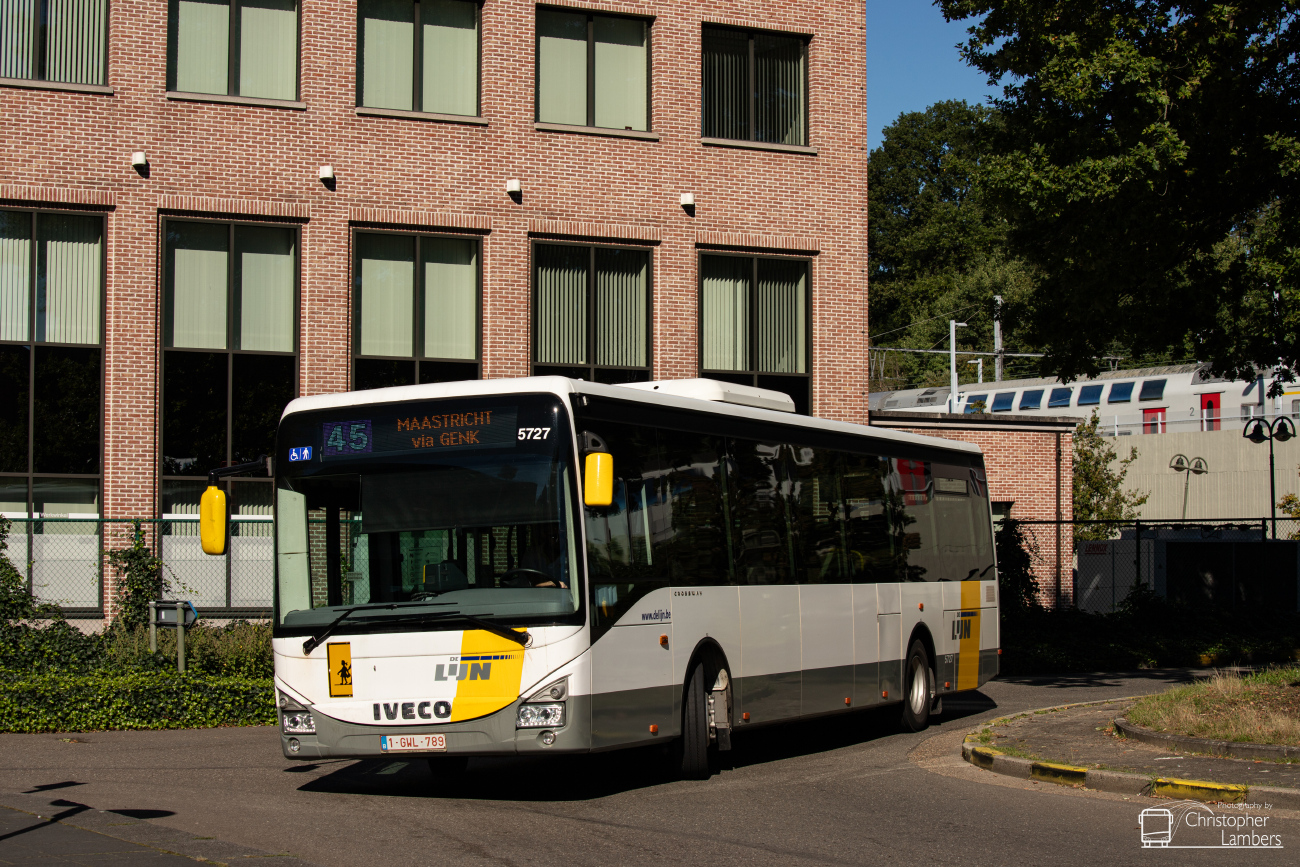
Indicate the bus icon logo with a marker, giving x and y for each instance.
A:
(1157, 827)
(300, 454)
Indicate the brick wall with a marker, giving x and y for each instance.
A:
(211, 158)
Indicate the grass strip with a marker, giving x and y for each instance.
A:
(1260, 708)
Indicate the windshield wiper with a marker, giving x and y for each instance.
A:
(520, 638)
(315, 641)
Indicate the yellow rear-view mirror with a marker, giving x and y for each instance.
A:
(598, 480)
(212, 520)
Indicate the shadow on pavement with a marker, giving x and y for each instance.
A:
(1076, 680)
(579, 778)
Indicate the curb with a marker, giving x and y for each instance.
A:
(1117, 782)
(1227, 749)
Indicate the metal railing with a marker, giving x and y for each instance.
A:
(63, 560)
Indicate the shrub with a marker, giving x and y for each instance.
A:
(136, 700)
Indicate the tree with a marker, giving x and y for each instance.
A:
(1147, 159)
(935, 249)
(1099, 493)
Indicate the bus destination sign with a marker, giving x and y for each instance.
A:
(409, 432)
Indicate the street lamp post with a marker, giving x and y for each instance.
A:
(1181, 464)
(1257, 431)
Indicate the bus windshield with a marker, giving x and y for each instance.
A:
(419, 512)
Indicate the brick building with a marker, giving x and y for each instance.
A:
(208, 207)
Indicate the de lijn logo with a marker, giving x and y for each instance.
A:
(1193, 825)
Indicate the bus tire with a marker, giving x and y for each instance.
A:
(918, 695)
(692, 753)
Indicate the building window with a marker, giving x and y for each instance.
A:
(51, 398)
(234, 47)
(230, 305)
(593, 70)
(755, 86)
(415, 324)
(418, 55)
(591, 312)
(754, 323)
(54, 40)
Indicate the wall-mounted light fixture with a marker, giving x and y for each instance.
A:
(688, 200)
(139, 159)
(514, 186)
(326, 173)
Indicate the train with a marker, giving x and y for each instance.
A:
(1151, 400)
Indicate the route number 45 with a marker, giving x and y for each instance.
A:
(534, 433)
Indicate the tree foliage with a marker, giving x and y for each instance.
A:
(1099, 492)
(1147, 159)
(936, 251)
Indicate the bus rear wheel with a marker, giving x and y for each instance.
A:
(691, 753)
(917, 698)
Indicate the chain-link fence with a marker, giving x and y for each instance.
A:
(63, 561)
(1233, 564)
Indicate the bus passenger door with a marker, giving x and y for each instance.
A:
(631, 619)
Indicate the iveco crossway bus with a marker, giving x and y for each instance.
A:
(549, 565)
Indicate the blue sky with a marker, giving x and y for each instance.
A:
(912, 62)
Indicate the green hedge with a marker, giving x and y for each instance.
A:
(101, 700)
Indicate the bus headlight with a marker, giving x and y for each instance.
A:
(298, 722)
(532, 716)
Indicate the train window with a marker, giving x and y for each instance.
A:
(1090, 395)
(977, 403)
(1120, 392)
(1152, 389)
(1031, 399)
(1059, 397)
(1004, 401)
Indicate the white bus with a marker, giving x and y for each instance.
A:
(526, 566)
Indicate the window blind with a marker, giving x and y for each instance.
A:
(76, 34)
(726, 312)
(450, 298)
(621, 307)
(782, 331)
(450, 73)
(71, 250)
(15, 274)
(196, 287)
(562, 304)
(562, 67)
(387, 294)
(620, 73)
(18, 38)
(726, 83)
(268, 49)
(264, 288)
(201, 49)
(779, 99)
(387, 53)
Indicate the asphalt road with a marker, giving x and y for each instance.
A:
(847, 790)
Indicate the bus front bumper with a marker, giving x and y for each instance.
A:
(492, 735)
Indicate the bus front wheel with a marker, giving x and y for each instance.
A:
(691, 753)
(918, 698)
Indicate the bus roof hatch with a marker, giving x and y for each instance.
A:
(722, 392)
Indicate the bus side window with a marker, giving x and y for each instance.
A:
(692, 536)
(913, 520)
(763, 544)
(873, 542)
(816, 516)
(620, 559)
